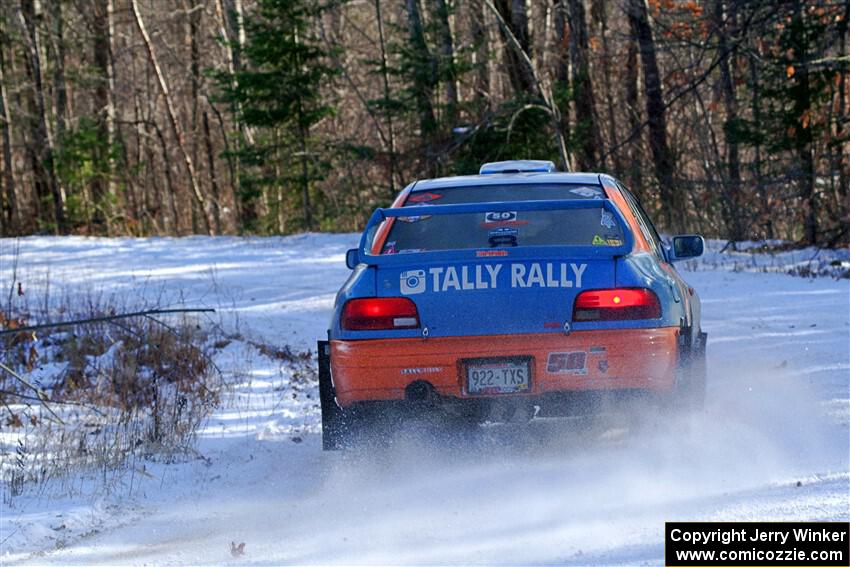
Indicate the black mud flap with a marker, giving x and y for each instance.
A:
(332, 416)
(692, 371)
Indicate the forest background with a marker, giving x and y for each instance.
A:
(175, 117)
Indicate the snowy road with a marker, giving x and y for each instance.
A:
(777, 414)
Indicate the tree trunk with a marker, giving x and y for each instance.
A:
(561, 89)
(12, 212)
(542, 90)
(385, 83)
(733, 204)
(172, 117)
(755, 109)
(423, 81)
(480, 58)
(305, 181)
(60, 92)
(195, 13)
(213, 176)
(42, 153)
(303, 132)
(513, 12)
(104, 108)
(424, 70)
(802, 97)
(244, 211)
(600, 16)
(447, 60)
(841, 150)
(672, 200)
(562, 67)
(635, 172)
(586, 129)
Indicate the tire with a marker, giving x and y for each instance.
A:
(342, 428)
(333, 418)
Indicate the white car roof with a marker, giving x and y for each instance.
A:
(506, 179)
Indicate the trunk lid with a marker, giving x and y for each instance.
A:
(495, 296)
(464, 288)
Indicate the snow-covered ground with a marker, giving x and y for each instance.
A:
(773, 442)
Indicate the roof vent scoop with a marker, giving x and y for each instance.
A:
(517, 166)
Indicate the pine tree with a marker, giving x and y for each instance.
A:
(278, 93)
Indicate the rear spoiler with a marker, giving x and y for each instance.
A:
(589, 251)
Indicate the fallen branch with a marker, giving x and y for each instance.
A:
(101, 319)
(42, 397)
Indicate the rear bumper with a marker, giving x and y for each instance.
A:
(623, 359)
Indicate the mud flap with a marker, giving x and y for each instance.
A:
(690, 383)
(332, 415)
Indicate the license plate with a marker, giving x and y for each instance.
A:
(507, 376)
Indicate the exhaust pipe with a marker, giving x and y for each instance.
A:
(420, 391)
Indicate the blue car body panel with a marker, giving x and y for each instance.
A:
(526, 289)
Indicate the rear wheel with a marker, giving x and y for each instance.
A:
(690, 385)
(333, 417)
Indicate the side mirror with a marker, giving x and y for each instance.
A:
(686, 246)
(352, 258)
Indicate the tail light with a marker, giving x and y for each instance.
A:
(379, 313)
(616, 305)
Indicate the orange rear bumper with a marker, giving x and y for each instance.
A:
(642, 359)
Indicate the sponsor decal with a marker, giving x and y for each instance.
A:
(503, 231)
(503, 219)
(587, 192)
(607, 220)
(503, 236)
(505, 216)
(419, 218)
(490, 253)
(607, 241)
(503, 223)
(412, 282)
(492, 276)
(422, 370)
(596, 350)
(423, 197)
(567, 363)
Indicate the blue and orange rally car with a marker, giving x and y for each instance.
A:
(517, 288)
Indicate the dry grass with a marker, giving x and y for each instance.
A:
(117, 394)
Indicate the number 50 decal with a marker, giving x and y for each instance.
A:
(500, 217)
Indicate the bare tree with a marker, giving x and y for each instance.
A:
(732, 204)
(541, 89)
(447, 56)
(107, 130)
(480, 57)
(11, 213)
(41, 151)
(425, 71)
(172, 117)
(514, 28)
(385, 83)
(662, 158)
(587, 131)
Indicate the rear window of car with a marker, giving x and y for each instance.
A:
(576, 227)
